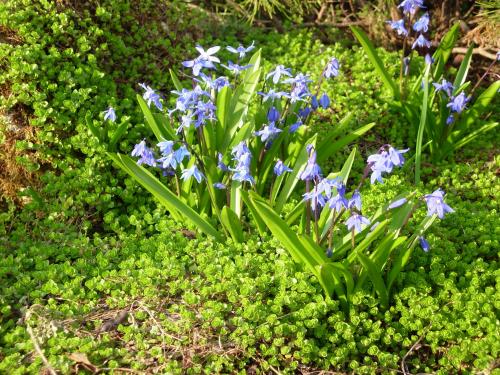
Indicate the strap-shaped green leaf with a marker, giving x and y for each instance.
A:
(258, 220)
(329, 148)
(163, 194)
(376, 61)
(422, 125)
(175, 80)
(463, 70)
(159, 132)
(375, 277)
(232, 224)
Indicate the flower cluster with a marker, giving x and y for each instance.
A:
(403, 26)
(384, 161)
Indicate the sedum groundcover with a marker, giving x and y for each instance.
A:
(95, 276)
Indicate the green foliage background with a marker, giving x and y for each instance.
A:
(90, 243)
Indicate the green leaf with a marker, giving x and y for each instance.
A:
(239, 103)
(404, 255)
(163, 194)
(285, 235)
(463, 70)
(175, 80)
(421, 127)
(375, 277)
(232, 224)
(258, 220)
(329, 148)
(159, 132)
(376, 61)
(443, 52)
(236, 197)
(222, 113)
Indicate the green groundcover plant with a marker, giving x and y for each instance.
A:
(446, 114)
(238, 148)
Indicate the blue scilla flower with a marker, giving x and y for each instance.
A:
(241, 51)
(181, 153)
(339, 201)
(411, 6)
(146, 155)
(445, 86)
(279, 71)
(220, 164)
(396, 156)
(398, 26)
(428, 59)
(168, 161)
(271, 94)
(332, 68)
(280, 168)
(273, 115)
(268, 132)
(324, 101)
(326, 185)
(384, 162)
(312, 170)
(421, 42)
(186, 122)
(314, 102)
(356, 221)
(435, 204)
(204, 111)
(424, 244)
(422, 24)
(151, 96)
(298, 94)
(355, 201)
(235, 68)
(397, 203)
(197, 64)
(458, 103)
(220, 186)
(165, 147)
(240, 149)
(208, 55)
(450, 119)
(295, 126)
(304, 112)
(110, 114)
(301, 80)
(192, 172)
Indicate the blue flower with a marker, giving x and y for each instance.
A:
(146, 155)
(220, 164)
(268, 132)
(422, 24)
(332, 68)
(240, 149)
(421, 42)
(312, 170)
(181, 153)
(428, 59)
(458, 103)
(396, 156)
(435, 204)
(450, 119)
(445, 86)
(241, 51)
(356, 221)
(151, 96)
(192, 172)
(411, 6)
(110, 114)
(324, 101)
(168, 161)
(205, 60)
(278, 72)
(339, 201)
(399, 26)
(235, 68)
(295, 126)
(314, 102)
(304, 112)
(186, 122)
(273, 115)
(424, 244)
(272, 95)
(280, 168)
(220, 186)
(166, 147)
(355, 201)
(397, 203)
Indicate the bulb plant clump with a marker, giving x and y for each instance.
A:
(237, 147)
